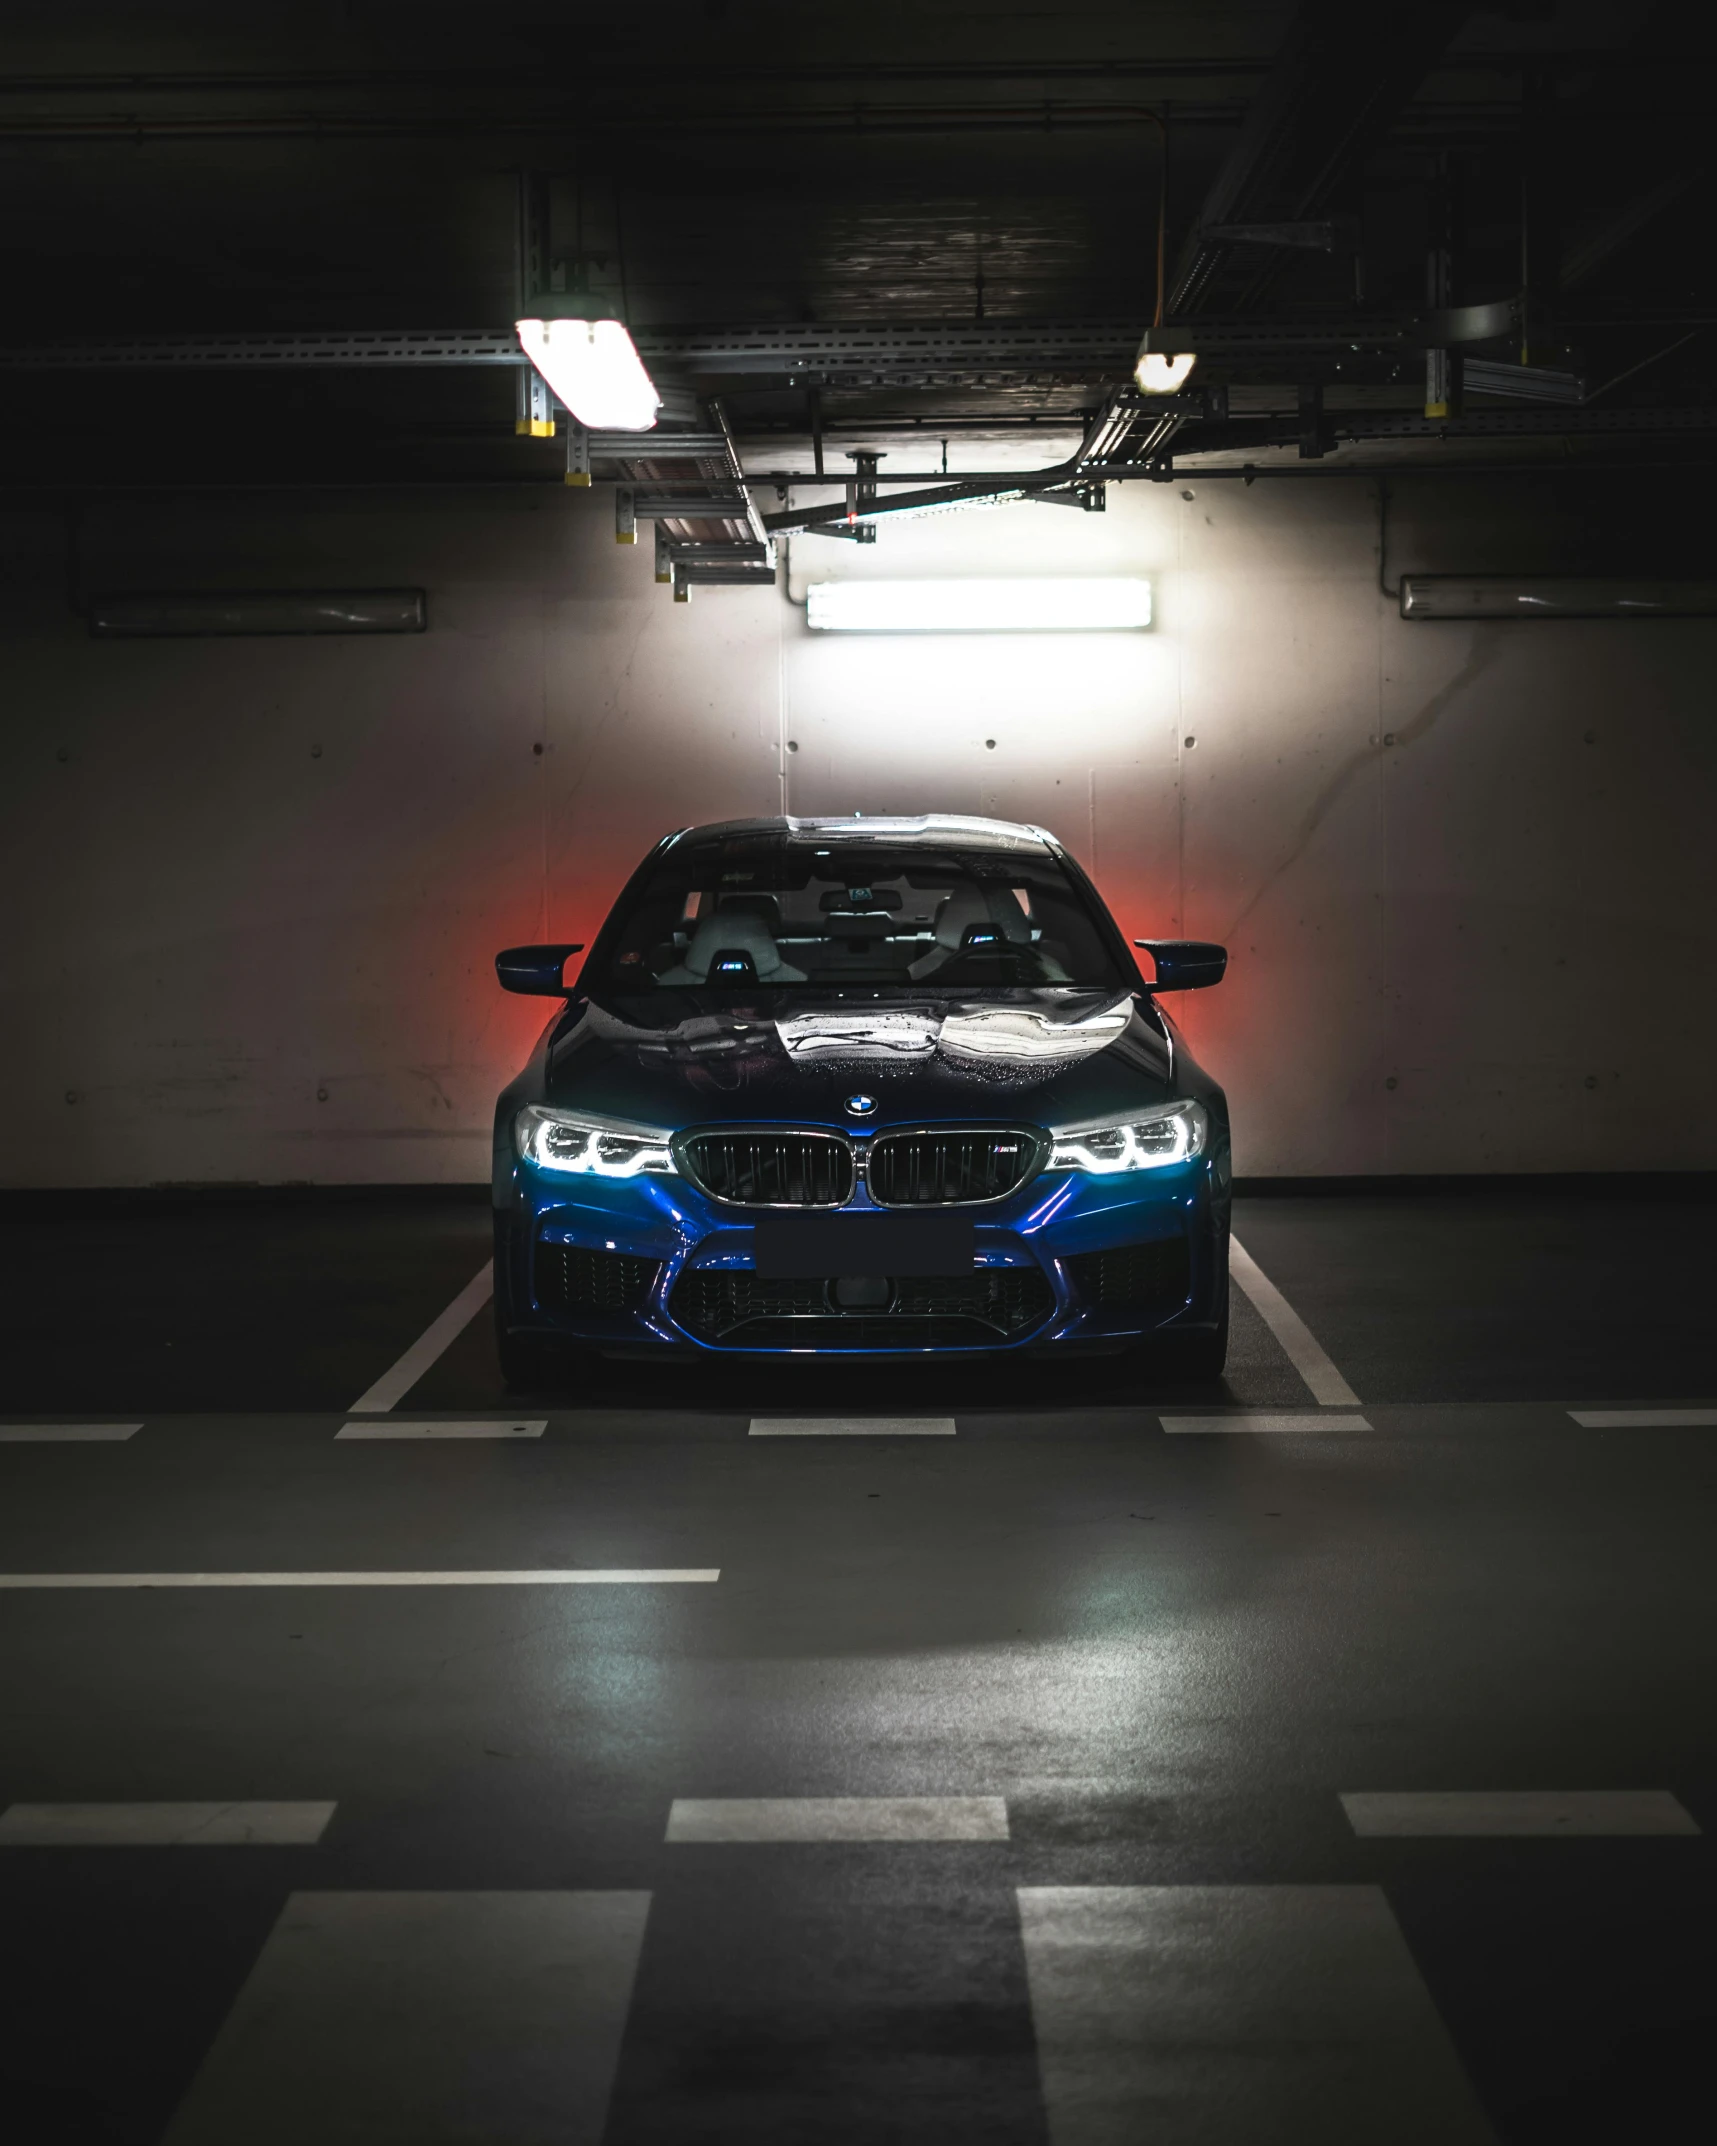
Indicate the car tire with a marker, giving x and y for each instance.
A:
(528, 1363)
(1197, 1356)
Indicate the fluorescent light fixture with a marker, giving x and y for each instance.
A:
(1159, 374)
(595, 369)
(184, 613)
(1459, 596)
(1065, 606)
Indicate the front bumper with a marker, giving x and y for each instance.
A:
(653, 1263)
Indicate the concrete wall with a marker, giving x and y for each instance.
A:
(253, 888)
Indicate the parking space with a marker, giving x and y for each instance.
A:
(1497, 1293)
(956, 1779)
(225, 1300)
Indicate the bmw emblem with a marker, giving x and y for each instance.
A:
(859, 1106)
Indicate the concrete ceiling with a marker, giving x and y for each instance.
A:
(199, 168)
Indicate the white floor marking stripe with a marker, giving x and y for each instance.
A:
(1303, 1349)
(1318, 1425)
(1517, 1814)
(70, 1434)
(1644, 1419)
(395, 1383)
(393, 1427)
(1223, 2015)
(642, 1575)
(838, 1818)
(438, 2018)
(852, 1427)
(164, 1825)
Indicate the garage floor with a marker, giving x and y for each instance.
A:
(667, 1761)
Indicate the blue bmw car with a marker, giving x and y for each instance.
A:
(850, 1087)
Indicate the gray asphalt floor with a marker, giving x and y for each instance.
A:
(642, 1779)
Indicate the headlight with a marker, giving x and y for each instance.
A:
(1175, 1133)
(593, 1147)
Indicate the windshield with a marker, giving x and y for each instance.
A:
(740, 911)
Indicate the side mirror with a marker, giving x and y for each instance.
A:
(535, 970)
(1185, 964)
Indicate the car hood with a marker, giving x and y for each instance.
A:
(1050, 1057)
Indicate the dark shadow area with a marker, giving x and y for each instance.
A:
(1502, 1295)
(1576, 1977)
(158, 1304)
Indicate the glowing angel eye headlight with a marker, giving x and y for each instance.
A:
(586, 1147)
(1175, 1133)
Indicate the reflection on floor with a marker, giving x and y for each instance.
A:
(939, 1756)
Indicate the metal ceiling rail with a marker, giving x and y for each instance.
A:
(736, 476)
(658, 74)
(645, 118)
(790, 351)
(325, 347)
(1149, 462)
(1107, 435)
(1487, 60)
(663, 446)
(993, 344)
(772, 348)
(693, 553)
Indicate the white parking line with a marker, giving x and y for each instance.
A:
(68, 1434)
(838, 1818)
(1304, 1351)
(852, 1427)
(398, 1380)
(393, 1427)
(439, 2018)
(164, 1825)
(1644, 1419)
(619, 1576)
(1284, 1424)
(1517, 1814)
(1222, 2015)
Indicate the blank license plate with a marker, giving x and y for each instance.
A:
(835, 1245)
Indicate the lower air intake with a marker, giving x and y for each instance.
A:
(737, 1309)
(569, 1278)
(1133, 1274)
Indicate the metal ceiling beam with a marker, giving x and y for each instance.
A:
(704, 73)
(1582, 262)
(736, 475)
(656, 446)
(262, 351)
(778, 350)
(1263, 338)
(1345, 68)
(1157, 467)
(910, 352)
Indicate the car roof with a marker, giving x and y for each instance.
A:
(926, 830)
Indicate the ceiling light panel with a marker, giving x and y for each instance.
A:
(595, 369)
(1097, 605)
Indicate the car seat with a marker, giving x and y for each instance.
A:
(735, 933)
(988, 909)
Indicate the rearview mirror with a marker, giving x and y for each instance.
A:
(1185, 964)
(535, 970)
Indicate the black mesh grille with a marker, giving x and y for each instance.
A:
(757, 1311)
(1133, 1273)
(944, 1169)
(771, 1169)
(572, 1279)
